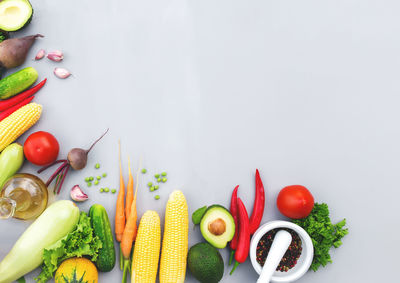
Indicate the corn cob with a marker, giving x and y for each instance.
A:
(147, 249)
(18, 123)
(175, 241)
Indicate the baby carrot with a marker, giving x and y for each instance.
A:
(129, 191)
(120, 209)
(131, 225)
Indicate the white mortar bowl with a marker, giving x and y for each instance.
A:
(303, 263)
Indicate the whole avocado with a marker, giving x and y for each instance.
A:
(206, 263)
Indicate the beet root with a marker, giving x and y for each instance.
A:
(13, 51)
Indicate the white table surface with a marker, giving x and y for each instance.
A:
(306, 91)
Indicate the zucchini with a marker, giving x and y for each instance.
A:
(15, 14)
(102, 229)
(11, 160)
(17, 82)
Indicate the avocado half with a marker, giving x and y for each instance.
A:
(15, 14)
(217, 226)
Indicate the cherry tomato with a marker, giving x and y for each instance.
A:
(295, 201)
(41, 148)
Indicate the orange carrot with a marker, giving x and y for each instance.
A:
(120, 209)
(129, 191)
(130, 231)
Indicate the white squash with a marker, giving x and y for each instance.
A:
(56, 222)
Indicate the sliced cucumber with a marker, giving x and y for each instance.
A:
(15, 14)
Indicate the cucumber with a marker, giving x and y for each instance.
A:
(17, 82)
(11, 160)
(102, 229)
(15, 14)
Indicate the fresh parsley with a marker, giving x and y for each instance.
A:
(323, 233)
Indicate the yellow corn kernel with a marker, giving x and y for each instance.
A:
(175, 241)
(18, 123)
(147, 249)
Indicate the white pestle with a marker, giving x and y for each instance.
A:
(278, 249)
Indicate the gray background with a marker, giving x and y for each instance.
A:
(306, 91)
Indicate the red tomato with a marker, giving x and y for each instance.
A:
(41, 148)
(295, 201)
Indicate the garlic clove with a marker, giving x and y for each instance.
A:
(55, 55)
(77, 194)
(62, 73)
(40, 54)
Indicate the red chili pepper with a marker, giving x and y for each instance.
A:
(235, 215)
(8, 103)
(242, 251)
(11, 110)
(259, 204)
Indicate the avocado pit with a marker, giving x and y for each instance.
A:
(217, 227)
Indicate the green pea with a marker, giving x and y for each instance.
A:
(89, 184)
(150, 184)
(101, 190)
(157, 176)
(157, 197)
(106, 190)
(159, 180)
(96, 182)
(98, 177)
(152, 189)
(91, 178)
(104, 175)
(113, 191)
(97, 166)
(144, 171)
(164, 180)
(156, 187)
(164, 174)
(87, 179)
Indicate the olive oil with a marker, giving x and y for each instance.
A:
(24, 196)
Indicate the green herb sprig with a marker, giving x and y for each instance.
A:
(323, 233)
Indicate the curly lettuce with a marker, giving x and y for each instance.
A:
(80, 242)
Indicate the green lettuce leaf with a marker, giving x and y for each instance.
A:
(323, 233)
(80, 242)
